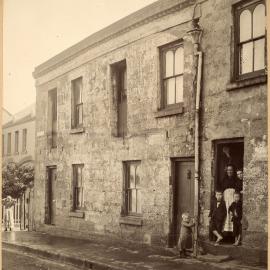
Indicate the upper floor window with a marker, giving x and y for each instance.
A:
(3, 145)
(172, 70)
(250, 48)
(77, 186)
(9, 144)
(24, 140)
(77, 104)
(119, 82)
(52, 118)
(16, 142)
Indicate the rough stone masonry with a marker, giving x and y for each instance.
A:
(154, 137)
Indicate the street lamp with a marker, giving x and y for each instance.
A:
(195, 32)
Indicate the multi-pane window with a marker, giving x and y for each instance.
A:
(52, 118)
(9, 144)
(172, 74)
(132, 185)
(16, 142)
(3, 145)
(77, 103)
(250, 39)
(24, 140)
(77, 186)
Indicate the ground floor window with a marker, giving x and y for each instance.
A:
(77, 186)
(132, 188)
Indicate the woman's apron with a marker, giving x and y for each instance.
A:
(228, 198)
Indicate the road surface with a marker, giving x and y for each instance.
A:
(12, 260)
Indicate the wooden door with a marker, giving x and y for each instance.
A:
(184, 192)
(51, 195)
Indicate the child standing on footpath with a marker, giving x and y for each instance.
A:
(235, 210)
(185, 234)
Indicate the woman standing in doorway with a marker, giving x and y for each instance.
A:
(229, 186)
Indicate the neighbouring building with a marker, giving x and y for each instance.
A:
(116, 141)
(6, 116)
(18, 146)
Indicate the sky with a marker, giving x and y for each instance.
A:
(36, 30)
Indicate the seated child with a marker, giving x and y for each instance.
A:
(217, 216)
(185, 234)
(236, 211)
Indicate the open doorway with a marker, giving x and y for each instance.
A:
(50, 196)
(227, 152)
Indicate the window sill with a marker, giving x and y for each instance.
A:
(77, 130)
(246, 83)
(24, 152)
(170, 111)
(131, 220)
(77, 214)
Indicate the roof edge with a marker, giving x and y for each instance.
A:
(27, 118)
(138, 18)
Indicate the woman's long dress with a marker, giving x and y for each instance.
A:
(228, 198)
(229, 186)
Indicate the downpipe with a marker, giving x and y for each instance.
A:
(198, 54)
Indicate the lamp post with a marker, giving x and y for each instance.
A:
(195, 34)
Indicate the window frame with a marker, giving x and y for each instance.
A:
(162, 56)
(75, 186)
(76, 106)
(9, 138)
(52, 117)
(24, 140)
(16, 142)
(126, 189)
(3, 145)
(238, 9)
(119, 85)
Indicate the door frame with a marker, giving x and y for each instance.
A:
(214, 163)
(215, 144)
(48, 201)
(173, 204)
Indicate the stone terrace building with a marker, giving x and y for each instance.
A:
(116, 133)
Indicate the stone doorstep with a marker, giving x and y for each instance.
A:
(62, 258)
(93, 264)
(214, 258)
(250, 256)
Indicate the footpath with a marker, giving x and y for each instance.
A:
(111, 254)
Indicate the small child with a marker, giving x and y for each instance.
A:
(185, 233)
(236, 211)
(217, 216)
(239, 174)
(239, 182)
